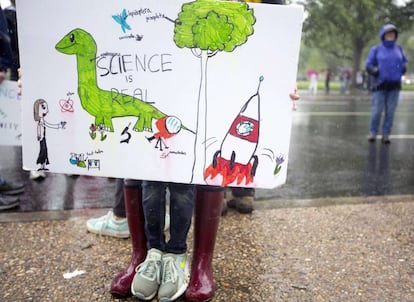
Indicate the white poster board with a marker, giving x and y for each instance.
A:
(10, 111)
(168, 90)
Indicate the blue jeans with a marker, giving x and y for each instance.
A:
(383, 100)
(181, 212)
(119, 205)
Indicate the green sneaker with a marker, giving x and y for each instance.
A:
(175, 277)
(109, 226)
(147, 277)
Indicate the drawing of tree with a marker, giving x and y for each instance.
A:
(208, 27)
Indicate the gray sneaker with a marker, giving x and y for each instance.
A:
(175, 277)
(147, 277)
(8, 202)
(10, 188)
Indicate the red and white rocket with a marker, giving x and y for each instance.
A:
(236, 159)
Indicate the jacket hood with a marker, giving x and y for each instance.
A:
(387, 28)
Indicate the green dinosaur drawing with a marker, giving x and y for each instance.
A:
(103, 104)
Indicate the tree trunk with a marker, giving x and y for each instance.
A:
(356, 63)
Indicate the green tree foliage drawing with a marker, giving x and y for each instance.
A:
(344, 29)
(208, 27)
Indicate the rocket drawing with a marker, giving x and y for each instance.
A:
(236, 159)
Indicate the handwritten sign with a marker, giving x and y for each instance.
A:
(10, 111)
(180, 91)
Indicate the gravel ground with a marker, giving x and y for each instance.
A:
(348, 252)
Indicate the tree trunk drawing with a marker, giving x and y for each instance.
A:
(201, 126)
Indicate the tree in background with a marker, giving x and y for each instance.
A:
(406, 39)
(343, 29)
(208, 27)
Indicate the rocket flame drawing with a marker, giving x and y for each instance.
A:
(236, 160)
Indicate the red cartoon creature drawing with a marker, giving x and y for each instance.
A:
(167, 126)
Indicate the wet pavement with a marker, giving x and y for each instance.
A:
(329, 157)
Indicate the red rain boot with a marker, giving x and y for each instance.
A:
(208, 206)
(121, 284)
